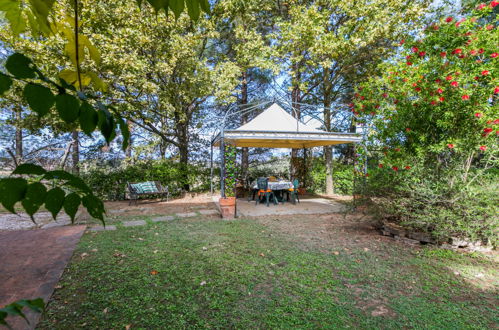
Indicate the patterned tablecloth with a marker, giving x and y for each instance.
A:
(279, 185)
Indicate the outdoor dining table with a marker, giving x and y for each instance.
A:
(275, 186)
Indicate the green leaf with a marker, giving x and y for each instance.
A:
(34, 198)
(59, 174)
(125, 133)
(177, 6)
(5, 83)
(29, 168)
(41, 10)
(159, 4)
(40, 99)
(12, 190)
(20, 66)
(193, 9)
(13, 14)
(106, 123)
(205, 5)
(68, 107)
(88, 118)
(54, 201)
(78, 183)
(94, 206)
(15, 309)
(71, 204)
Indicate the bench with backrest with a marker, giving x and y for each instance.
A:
(147, 188)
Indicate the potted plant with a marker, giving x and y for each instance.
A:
(228, 203)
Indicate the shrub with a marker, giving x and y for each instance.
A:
(343, 178)
(109, 182)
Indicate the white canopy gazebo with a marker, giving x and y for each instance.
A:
(276, 128)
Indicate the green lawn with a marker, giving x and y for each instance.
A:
(246, 274)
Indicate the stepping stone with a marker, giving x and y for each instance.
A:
(134, 223)
(164, 218)
(102, 228)
(58, 223)
(117, 211)
(186, 215)
(209, 212)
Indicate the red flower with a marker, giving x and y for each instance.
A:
(414, 49)
(496, 122)
(380, 165)
(480, 51)
(450, 146)
(421, 54)
(418, 89)
(476, 78)
(449, 77)
(454, 84)
(408, 57)
(397, 149)
(440, 91)
(473, 52)
(438, 81)
(478, 114)
(487, 130)
(409, 63)
(401, 42)
(407, 129)
(442, 99)
(457, 51)
(489, 27)
(436, 27)
(465, 97)
(443, 54)
(449, 19)
(494, 55)
(395, 168)
(433, 102)
(481, 6)
(483, 148)
(362, 97)
(485, 72)
(494, 3)
(407, 167)
(496, 90)
(385, 95)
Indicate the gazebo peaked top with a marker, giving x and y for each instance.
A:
(275, 128)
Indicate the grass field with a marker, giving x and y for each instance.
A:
(311, 272)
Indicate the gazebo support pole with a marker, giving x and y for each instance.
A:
(222, 165)
(211, 169)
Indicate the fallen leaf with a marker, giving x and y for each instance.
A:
(262, 255)
(128, 326)
(140, 239)
(84, 254)
(94, 250)
(336, 253)
(366, 249)
(58, 287)
(202, 283)
(155, 251)
(154, 272)
(205, 248)
(105, 310)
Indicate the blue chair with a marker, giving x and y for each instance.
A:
(294, 191)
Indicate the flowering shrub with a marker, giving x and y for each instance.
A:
(435, 121)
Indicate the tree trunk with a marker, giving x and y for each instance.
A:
(75, 154)
(328, 153)
(183, 149)
(128, 151)
(244, 120)
(296, 100)
(19, 137)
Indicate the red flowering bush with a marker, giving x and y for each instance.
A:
(448, 96)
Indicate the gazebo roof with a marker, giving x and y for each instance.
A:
(275, 128)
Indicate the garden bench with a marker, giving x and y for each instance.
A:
(147, 188)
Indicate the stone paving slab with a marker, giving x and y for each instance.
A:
(102, 228)
(32, 262)
(58, 223)
(163, 218)
(209, 212)
(134, 223)
(186, 215)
